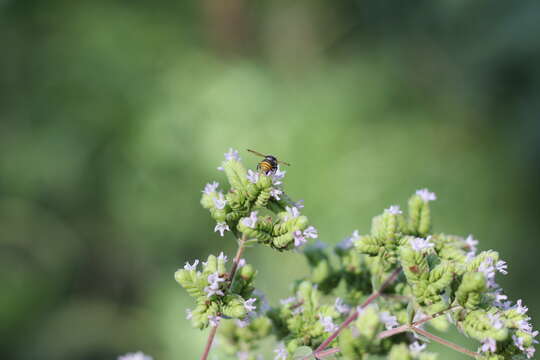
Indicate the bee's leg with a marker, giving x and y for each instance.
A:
(258, 167)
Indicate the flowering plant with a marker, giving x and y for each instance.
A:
(371, 294)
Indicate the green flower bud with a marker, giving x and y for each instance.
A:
(415, 264)
(419, 223)
(479, 325)
(470, 291)
(233, 306)
(199, 316)
(193, 282)
(236, 174)
(368, 245)
(247, 272)
(211, 265)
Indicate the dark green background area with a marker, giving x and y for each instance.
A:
(114, 114)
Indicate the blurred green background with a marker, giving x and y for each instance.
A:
(114, 114)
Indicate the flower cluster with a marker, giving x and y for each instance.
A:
(256, 206)
(441, 275)
(214, 296)
(371, 294)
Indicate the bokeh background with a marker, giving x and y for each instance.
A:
(114, 114)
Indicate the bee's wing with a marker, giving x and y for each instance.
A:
(283, 162)
(256, 153)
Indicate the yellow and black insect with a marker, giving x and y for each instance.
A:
(269, 164)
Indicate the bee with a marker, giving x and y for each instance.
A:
(269, 164)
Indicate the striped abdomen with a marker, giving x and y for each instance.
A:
(266, 166)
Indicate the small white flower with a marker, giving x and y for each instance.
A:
(213, 285)
(328, 323)
(311, 232)
(252, 176)
(299, 238)
(471, 243)
(488, 345)
(210, 187)
(388, 320)
(215, 278)
(287, 301)
(220, 201)
(191, 267)
(248, 304)
(487, 267)
(223, 257)
(241, 262)
(189, 314)
(518, 341)
(394, 210)
(349, 242)
(506, 305)
(250, 221)
(281, 352)
(525, 326)
(426, 195)
(495, 321)
(277, 176)
(292, 212)
(221, 227)
(521, 309)
(135, 356)
(275, 193)
(211, 292)
(341, 307)
(299, 204)
(232, 155)
(419, 244)
(416, 348)
(501, 267)
(214, 320)
(529, 352)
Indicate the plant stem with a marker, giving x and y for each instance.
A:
(232, 273)
(209, 342)
(444, 342)
(354, 314)
(407, 327)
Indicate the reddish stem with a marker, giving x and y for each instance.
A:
(408, 327)
(444, 342)
(209, 342)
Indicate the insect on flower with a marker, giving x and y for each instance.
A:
(270, 163)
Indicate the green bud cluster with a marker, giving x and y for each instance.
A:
(302, 320)
(280, 225)
(209, 288)
(441, 274)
